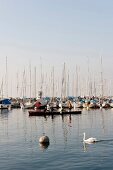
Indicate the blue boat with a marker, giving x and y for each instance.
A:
(5, 103)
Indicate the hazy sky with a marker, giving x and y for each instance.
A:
(57, 31)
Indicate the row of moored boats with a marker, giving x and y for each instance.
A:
(56, 103)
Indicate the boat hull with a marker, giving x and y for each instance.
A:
(44, 113)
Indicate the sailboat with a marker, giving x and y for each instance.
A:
(5, 103)
(26, 102)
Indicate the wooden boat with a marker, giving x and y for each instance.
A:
(54, 112)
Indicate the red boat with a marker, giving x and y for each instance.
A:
(44, 113)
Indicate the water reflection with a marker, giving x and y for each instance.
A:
(44, 146)
(19, 138)
(85, 146)
(4, 113)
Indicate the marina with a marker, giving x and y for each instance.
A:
(56, 85)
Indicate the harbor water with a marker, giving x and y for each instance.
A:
(20, 148)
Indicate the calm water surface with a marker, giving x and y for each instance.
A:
(20, 149)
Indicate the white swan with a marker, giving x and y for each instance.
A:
(89, 140)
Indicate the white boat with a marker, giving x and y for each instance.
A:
(78, 105)
(27, 105)
(105, 104)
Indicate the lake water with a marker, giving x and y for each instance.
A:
(20, 148)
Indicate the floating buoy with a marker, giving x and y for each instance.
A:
(44, 139)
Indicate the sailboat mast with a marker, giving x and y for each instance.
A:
(63, 91)
(53, 84)
(101, 78)
(30, 80)
(35, 83)
(41, 77)
(6, 79)
(17, 84)
(1, 90)
(68, 85)
(88, 84)
(76, 81)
